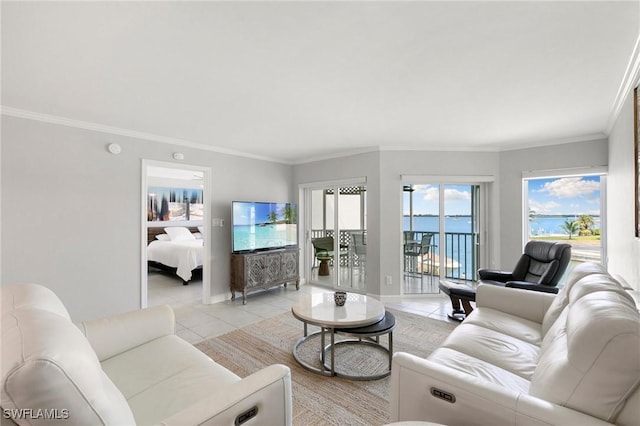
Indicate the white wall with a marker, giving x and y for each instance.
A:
(514, 163)
(624, 248)
(71, 211)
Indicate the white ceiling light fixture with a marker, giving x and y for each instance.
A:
(178, 156)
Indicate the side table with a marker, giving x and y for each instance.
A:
(323, 269)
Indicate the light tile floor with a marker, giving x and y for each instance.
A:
(196, 322)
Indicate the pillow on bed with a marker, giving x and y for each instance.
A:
(163, 237)
(198, 236)
(179, 233)
(201, 229)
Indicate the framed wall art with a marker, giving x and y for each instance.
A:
(170, 204)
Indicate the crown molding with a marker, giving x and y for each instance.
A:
(85, 125)
(549, 142)
(629, 81)
(441, 148)
(340, 154)
(512, 146)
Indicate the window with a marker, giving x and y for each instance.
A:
(567, 209)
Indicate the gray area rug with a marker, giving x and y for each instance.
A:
(320, 400)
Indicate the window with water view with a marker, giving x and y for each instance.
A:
(567, 209)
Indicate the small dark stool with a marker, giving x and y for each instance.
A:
(459, 292)
(369, 332)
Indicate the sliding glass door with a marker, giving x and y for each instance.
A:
(337, 236)
(441, 228)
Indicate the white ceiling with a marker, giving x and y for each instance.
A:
(297, 81)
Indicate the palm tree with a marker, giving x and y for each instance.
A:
(289, 214)
(586, 222)
(273, 217)
(570, 227)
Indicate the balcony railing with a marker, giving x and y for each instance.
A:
(344, 241)
(460, 258)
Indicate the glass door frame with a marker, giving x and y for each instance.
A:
(482, 209)
(305, 222)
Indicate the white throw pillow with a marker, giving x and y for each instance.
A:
(179, 233)
(163, 237)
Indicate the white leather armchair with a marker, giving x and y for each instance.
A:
(123, 370)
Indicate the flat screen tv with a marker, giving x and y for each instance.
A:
(263, 226)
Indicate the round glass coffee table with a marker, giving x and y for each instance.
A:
(358, 313)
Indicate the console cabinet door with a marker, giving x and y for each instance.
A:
(254, 270)
(273, 266)
(290, 265)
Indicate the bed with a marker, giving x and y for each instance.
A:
(176, 249)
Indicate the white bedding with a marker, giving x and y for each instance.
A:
(183, 255)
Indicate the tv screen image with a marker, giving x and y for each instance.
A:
(263, 226)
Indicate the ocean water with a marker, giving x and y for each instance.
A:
(431, 223)
(252, 237)
(546, 225)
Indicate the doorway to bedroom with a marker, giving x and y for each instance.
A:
(174, 238)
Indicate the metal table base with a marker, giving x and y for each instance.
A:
(368, 335)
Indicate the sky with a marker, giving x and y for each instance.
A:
(565, 196)
(556, 196)
(249, 213)
(426, 200)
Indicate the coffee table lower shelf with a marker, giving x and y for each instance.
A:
(367, 335)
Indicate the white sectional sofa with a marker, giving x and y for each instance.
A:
(124, 370)
(531, 358)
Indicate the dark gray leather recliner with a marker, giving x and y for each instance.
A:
(540, 268)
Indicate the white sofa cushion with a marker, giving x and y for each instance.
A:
(590, 358)
(32, 296)
(578, 278)
(511, 325)
(41, 347)
(159, 387)
(116, 334)
(483, 370)
(505, 352)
